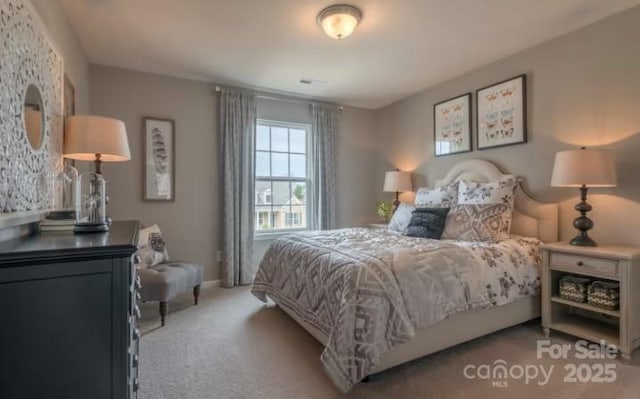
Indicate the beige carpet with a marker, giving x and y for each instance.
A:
(232, 346)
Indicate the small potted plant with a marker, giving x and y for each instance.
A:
(385, 209)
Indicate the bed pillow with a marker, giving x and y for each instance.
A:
(495, 192)
(478, 222)
(152, 248)
(427, 222)
(401, 217)
(439, 197)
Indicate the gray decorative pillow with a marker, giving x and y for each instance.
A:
(427, 222)
(440, 197)
(152, 248)
(478, 222)
(401, 217)
(495, 192)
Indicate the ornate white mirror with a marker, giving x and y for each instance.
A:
(30, 115)
(33, 117)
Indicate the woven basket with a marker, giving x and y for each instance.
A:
(574, 288)
(604, 294)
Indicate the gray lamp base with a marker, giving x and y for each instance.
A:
(582, 223)
(90, 228)
(583, 241)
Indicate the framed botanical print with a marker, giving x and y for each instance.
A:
(159, 159)
(502, 113)
(452, 125)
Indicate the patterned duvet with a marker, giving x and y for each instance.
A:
(369, 289)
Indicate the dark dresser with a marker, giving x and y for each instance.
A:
(68, 315)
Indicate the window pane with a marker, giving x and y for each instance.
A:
(297, 217)
(263, 193)
(262, 164)
(299, 191)
(262, 138)
(279, 139)
(281, 194)
(263, 221)
(280, 165)
(298, 165)
(298, 140)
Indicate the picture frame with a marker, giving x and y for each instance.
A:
(452, 126)
(69, 98)
(159, 159)
(68, 106)
(501, 113)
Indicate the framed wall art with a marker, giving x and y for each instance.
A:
(502, 113)
(159, 159)
(69, 98)
(452, 125)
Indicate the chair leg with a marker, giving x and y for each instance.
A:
(163, 312)
(196, 294)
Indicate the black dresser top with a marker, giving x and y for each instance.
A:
(119, 241)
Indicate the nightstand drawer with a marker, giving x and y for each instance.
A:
(584, 264)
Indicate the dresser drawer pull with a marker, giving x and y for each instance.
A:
(580, 263)
(136, 311)
(138, 297)
(134, 361)
(136, 385)
(136, 333)
(138, 283)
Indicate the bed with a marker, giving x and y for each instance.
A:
(376, 299)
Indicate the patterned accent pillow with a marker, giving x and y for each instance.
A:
(495, 192)
(440, 197)
(401, 217)
(478, 222)
(152, 248)
(427, 222)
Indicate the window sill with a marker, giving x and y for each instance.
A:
(272, 235)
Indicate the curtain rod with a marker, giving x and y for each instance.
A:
(281, 99)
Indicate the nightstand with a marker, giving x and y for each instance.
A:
(382, 226)
(619, 327)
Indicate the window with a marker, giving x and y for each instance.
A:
(282, 168)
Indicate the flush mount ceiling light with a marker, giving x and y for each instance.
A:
(339, 20)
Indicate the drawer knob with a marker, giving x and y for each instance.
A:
(136, 333)
(136, 385)
(135, 361)
(580, 263)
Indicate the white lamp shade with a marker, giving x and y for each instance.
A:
(86, 135)
(397, 181)
(593, 168)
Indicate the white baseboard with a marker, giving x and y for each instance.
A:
(211, 283)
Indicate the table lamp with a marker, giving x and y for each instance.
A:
(97, 139)
(583, 168)
(397, 181)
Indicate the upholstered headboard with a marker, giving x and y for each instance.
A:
(530, 217)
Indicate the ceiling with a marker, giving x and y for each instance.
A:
(401, 46)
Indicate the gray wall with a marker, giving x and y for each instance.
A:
(583, 89)
(192, 224)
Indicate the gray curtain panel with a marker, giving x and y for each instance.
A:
(237, 129)
(324, 145)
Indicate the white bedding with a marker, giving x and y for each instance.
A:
(368, 290)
